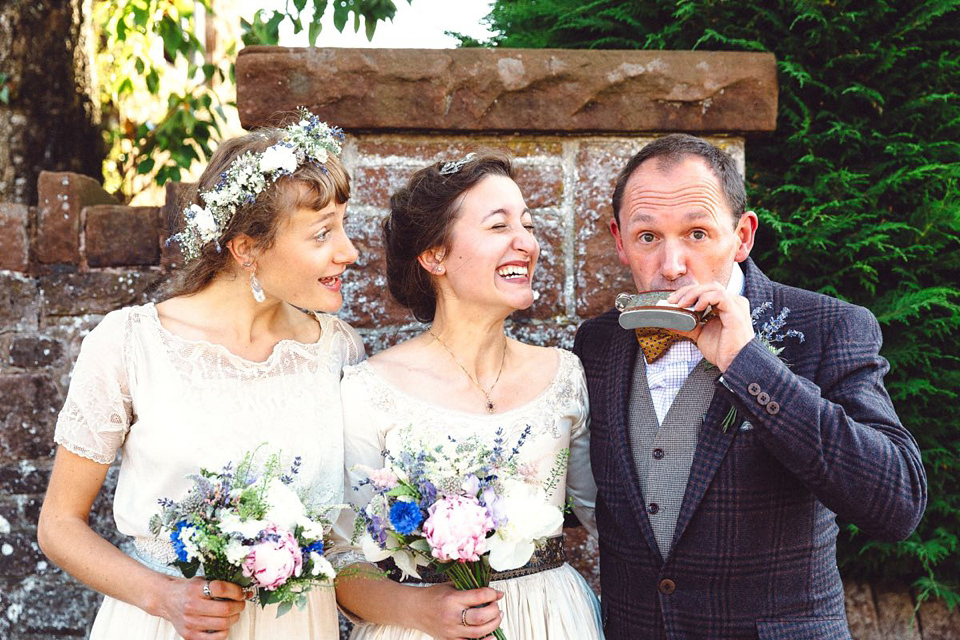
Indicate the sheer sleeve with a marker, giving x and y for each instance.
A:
(363, 446)
(581, 488)
(354, 351)
(98, 411)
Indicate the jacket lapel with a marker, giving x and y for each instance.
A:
(713, 443)
(623, 352)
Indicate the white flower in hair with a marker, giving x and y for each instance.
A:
(204, 223)
(241, 183)
(279, 157)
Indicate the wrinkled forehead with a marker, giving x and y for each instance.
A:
(683, 184)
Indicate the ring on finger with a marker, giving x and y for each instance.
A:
(206, 589)
(463, 618)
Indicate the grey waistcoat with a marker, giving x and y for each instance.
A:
(663, 453)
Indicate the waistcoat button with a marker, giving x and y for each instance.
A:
(667, 587)
(658, 454)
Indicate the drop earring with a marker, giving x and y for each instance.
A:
(255, 288)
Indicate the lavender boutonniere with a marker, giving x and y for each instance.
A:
(770, 334)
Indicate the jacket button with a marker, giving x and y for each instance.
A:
(658, 454)
(667, 587)
(773, 408)
(753, 388)
(653, 508)
(763, 398)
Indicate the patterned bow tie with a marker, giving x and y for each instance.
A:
(655, 342)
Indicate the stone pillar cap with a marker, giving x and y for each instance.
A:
(512, 90)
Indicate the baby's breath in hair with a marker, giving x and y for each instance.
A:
(308, 140)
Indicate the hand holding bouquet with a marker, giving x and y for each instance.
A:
(251, 527)
(463, 513)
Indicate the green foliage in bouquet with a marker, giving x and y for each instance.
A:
(857, 192)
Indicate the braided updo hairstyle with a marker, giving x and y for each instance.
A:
(421, 217)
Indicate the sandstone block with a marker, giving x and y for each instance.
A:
(19, 307)
(512, 89)
(29, 351)
(420, 150)
(121, 236)
(23, 477)
(27, 416)
(177, 197)
(549, 279)
(72, 294)
(861, 610)
(583, 554)
(540, 183)
(599, 274)
(61, 197)
(14, 241)
(46, 606)
(367, 301)
(895, 616)
(938, 622)
(20, 555)
(373, 186)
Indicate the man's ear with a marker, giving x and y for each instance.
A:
(618, 238)
(746, 232)
(432, 260)
(243, 250)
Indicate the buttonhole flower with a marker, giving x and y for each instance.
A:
(769, 334)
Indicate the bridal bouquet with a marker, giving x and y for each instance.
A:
(463, 512)
(250, 526)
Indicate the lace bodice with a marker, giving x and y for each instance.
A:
(375, 411)
(172, 405)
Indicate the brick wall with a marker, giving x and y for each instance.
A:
(77, 255)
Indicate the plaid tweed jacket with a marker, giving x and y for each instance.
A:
(754, 549)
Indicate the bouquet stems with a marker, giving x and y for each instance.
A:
(472, 575)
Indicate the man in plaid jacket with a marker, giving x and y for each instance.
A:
(723, 464)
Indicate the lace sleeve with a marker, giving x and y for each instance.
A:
(354, 350)
(581, 487)
(98, 411)
(363, 445)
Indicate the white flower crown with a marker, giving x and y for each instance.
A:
(308, 140)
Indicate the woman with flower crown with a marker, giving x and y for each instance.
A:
(229, 360)
(461, 254)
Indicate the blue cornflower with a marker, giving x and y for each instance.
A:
(314, 547)
(178, 545)
(405, 517)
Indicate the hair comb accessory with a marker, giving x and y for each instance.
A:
(307, 140)
(449, 168)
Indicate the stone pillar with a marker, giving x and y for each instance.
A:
(570, 119)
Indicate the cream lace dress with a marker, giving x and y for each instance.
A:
(551, 605)
(171, 406)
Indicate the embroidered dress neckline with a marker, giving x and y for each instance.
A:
(555, 382)
(150, 311)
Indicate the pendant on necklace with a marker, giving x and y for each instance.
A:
(490, 406)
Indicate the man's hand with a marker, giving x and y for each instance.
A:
(730, 328)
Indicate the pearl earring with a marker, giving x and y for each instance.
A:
(439, 269)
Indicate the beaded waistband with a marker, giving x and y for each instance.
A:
(156, 554)
(547, 556)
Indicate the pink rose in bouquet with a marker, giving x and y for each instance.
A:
(271, 562)
(457, 529)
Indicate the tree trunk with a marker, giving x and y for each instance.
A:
(52, 119)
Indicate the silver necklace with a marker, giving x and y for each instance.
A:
(486, 394)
